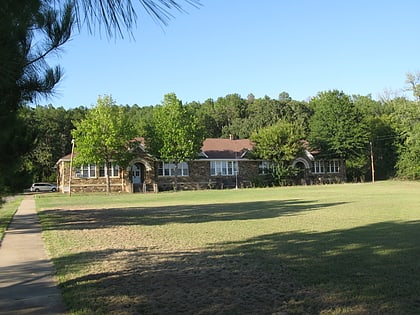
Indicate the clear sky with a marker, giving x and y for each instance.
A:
(263, 47)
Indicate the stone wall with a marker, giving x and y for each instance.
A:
(199, 177)
(91, 184)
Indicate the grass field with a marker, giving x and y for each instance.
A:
(335, 249)
(7, 210)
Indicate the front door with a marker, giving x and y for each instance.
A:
(136, 174)
(136, 177)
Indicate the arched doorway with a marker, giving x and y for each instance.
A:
(137, 176)
(302, 166)
(301, 171)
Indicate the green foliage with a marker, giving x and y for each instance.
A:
(264, 112)
(177, 136)
(408, 164)
(384, 145)
(382, 136)
(7, 210)
(413, 84)
(30, 30)
(140, 117)
(17, 138)
(337, 126)
(279, 143)
(104, 136)
(405, 118)
(227, 109)
(53, 129)
(204, 113)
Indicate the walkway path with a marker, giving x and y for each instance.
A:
(27, 285)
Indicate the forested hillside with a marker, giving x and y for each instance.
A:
(354, 127)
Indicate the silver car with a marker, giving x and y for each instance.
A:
(42, 187)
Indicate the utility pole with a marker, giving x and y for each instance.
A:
(372, 164)
(71, 165)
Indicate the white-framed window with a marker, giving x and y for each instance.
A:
(86, 171)
(333, 166)
(223, 168)
(112, 169)
(264, 167)
(318, 167)
(168, 169)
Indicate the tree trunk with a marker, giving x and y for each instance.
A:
(176, 177)
(108, 183)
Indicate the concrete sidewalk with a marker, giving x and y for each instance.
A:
(27, 284)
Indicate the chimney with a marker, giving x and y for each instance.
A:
(231, 137)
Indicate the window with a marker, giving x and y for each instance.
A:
(224, 168)
(328, 166)
(112, 169)
(102, 170)
(333, 166)
(86, 171)
(264, 168)
(318, 167)
(168, 169)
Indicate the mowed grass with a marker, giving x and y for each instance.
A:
(7, 210)
(334, 249)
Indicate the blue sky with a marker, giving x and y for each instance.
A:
(261, 47)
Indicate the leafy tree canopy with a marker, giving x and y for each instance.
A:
(176, 135)
(104, 136)
(279, 143)
(337, 126)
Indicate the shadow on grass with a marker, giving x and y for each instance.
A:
(372, 269)
(100, 218)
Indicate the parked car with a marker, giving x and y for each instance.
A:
(38, 187)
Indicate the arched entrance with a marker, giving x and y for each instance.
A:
(301, 171)
(137, 176)
(303, 167)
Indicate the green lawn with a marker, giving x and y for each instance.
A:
(7, 210)
(334, 249)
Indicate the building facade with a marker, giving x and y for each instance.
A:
(222, 163)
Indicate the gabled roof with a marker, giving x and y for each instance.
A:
(215, 148)
(65, 158)
(138, 141)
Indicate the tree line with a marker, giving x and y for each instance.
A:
(355, 128)
(352, 127)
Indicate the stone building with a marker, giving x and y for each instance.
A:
(222, 163)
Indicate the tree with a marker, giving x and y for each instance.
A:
(406, 121)
(227, 109)
(51, 129)
(408, 164)
(32, 30)
(17, 139)
(264, 112)
(115, 16)
(205, 113)
(25, 73)
(337, 126)
(104, 137)
(176, 136)
(383, 139)
(413, 82)
(279, 143)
